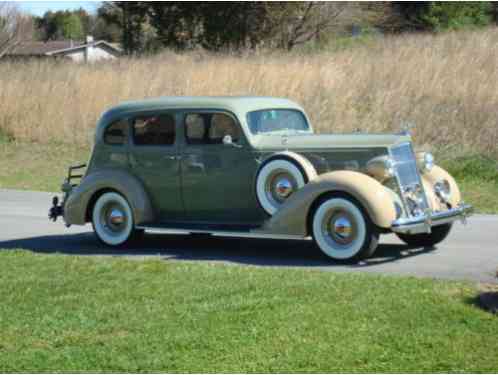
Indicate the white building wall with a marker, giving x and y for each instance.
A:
(91, 54)
(77, 56)
(97, 53)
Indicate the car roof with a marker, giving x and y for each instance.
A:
(239, 105)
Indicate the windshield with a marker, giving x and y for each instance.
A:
(269, 121)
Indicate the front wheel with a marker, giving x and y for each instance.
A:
(112, 219)
(438, 234)
(342, 230)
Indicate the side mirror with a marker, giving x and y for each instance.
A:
(228, 141)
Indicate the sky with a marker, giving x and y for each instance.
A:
(40, 7)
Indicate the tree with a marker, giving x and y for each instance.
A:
(14, 27)
(234, 25)
(439, 16)
(177, 23)
(62, 25)
(130, 17)
(71, 27)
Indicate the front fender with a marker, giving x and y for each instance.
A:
(129, 186)
(438, 174)
(376, 199)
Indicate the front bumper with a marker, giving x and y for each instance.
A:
(423, 223)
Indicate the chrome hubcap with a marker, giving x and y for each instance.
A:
(340, 228)
(279, 186)
(116, 217)
(283, 188)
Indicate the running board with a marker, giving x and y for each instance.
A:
(221, 233)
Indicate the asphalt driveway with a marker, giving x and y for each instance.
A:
(469, 253)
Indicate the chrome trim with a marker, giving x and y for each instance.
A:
(407, 147)
(251, 234)
(423, 224)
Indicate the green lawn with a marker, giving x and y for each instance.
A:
(34, 166)
(477, 177)
(62, 313)
(43, 167)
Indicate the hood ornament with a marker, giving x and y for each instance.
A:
(407, 127)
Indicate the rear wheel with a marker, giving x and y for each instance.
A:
(438, 234)
(112, 219)
(342, 230)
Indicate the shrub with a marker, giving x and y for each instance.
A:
(439, 16)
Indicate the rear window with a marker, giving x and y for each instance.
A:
(116, 133)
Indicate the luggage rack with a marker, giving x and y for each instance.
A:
(70, 176)
(58, 209)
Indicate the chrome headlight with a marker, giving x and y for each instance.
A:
(442, 189)
(428, 162)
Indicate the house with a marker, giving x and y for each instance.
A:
(88, 51)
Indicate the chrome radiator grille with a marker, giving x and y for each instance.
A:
(407, 175)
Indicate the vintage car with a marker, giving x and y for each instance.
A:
(252, 167)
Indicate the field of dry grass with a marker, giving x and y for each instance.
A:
(446, 85)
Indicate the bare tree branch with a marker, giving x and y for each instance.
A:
(14, 27)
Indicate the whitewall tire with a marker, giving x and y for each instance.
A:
(112, 219)
(342, 230)
(276, 181)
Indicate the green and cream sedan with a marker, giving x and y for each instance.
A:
(253, 167)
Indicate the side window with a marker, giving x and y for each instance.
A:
(222, 125)
(116, 133)
(195, 128)
(154, 130)
(210, 128)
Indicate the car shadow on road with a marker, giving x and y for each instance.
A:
(206, 248)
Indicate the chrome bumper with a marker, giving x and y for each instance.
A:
(423, 223)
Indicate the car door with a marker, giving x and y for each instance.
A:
(154, 159)
(217, 178)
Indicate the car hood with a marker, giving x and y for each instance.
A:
(326, 141)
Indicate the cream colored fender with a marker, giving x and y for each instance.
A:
(376, 199)
(438, 174)
(75, 207)
(300, 160)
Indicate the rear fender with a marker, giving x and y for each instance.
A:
(76, 205)
(376, 199)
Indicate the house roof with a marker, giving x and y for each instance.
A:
(41, 48)
(55, 47)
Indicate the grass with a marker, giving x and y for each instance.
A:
(477, 177)
(78, 314)
(35, 166)
(445, 84)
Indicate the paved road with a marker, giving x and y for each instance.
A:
(469, 252)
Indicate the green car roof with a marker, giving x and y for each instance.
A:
(239, 105)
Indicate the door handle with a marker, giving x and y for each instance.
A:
(173, 157)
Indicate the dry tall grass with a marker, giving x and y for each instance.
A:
(446, 85)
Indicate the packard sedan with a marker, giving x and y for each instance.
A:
(253, 167)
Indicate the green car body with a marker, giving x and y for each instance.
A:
(200, 180)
